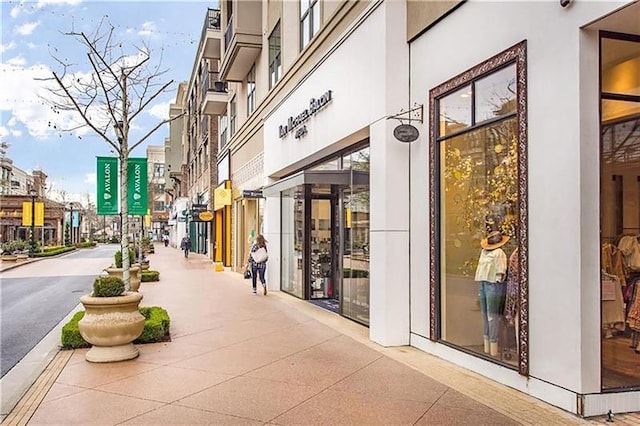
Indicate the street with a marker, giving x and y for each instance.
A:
(36, 297)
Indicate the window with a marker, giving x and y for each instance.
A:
(251, 90)
(309, 21)
(275, 68)
(158, 206)
(158, 170)
(224, 120)
(619, 210)
(477, 149)
(232, 117)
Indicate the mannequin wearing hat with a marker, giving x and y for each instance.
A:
(490, 274)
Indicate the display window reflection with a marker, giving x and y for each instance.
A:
(477, 217)
(620, 211)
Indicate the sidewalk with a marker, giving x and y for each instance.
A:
(238, 358)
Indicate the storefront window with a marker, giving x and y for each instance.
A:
(620, 211)
(292, 241)
(478, 180)
(355, 259)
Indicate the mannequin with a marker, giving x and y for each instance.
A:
(490, 274)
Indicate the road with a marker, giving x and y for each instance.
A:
(35, 297)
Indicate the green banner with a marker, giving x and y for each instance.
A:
(107, 186)
(137, 187)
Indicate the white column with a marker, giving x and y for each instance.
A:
(389, 186)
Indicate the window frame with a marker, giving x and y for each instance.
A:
(275, 59)
(224, 124)
(515, 54)
(233, 116)
(251, 90)
(313, 7)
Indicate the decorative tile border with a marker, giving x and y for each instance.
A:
(517, 54)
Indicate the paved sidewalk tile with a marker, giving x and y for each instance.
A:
(235, 358)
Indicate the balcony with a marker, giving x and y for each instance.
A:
(242, 41)
(214, 94)
(211, 38)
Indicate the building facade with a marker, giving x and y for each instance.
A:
(377, 143)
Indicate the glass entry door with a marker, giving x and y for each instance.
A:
(322, 278)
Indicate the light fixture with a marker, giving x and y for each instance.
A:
(33, 192)
(118, 129)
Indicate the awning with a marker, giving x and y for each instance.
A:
(317, 177)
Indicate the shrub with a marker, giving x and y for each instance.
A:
(71, 338)
(118, 258)
(85, 244)
(108, 287)
(114, 239)
(55, 251)
(150, 276)
(156, 325)
(156, 328)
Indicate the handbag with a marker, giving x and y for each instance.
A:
(247, 274)
(260, 255)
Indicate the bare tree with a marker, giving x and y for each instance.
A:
(123, 82)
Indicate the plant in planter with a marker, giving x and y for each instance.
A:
(134, 279)
(111, 321)
(9, 251)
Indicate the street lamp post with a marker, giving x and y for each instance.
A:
(32, 248)
(71, 223)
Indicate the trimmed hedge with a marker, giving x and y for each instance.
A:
(86, 244)
(356, 273)
(150, 275)
(55, 251)
(156, 328)
(108, 287)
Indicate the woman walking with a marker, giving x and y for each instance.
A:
(258, 257)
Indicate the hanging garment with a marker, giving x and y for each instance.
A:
(630, 248)
(612, 302)
(613, 262)
(633, 317)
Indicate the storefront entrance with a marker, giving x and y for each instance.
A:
(325, 235)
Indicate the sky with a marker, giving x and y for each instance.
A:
(32, 36)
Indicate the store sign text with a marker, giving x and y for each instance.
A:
(293, 123)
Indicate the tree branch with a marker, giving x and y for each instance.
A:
(169, 120)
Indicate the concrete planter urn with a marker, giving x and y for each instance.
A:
(9, 258)
(144, 266)
(111, 324)
(134, 272)
(21, 257)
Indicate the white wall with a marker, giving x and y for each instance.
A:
(562, 350)
(367, 74)
(358, 99)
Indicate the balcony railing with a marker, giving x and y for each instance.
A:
(228, 34)
(211, 22)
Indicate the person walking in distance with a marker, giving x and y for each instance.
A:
(165, 238)
(258, 257)
(185, 245)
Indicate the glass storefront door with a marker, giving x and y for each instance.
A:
(323, 285)
(325, 234)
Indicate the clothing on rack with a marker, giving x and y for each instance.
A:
(630, 248)
(612, 303)
(613, 262)
(633, 315)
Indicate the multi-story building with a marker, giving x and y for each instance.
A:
(157, 197)
(377, 143)
(11, 208)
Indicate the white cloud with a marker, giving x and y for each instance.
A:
(8, 46)
(16, 133)
(3, 132)
(15, 11)
(25, 95)
(28, 28)
(31, 45)
(42, 3)
(160, 111)
(90, 178)
(17, 61)
(148, 28)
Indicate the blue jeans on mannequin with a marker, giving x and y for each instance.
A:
(491, 295)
